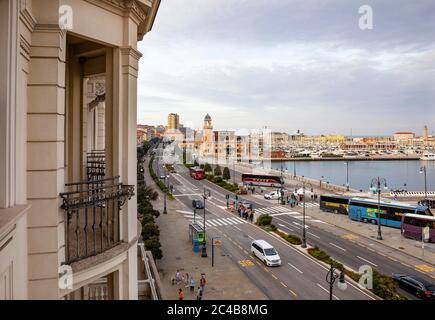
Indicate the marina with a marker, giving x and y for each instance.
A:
(402, 175)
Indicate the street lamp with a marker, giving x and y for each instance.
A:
(331, 277)
(376, 185)
(304, 235)
(294, 168)
(347, 175)
(282, 186)
(205, 195)
(322, 177)
(423, 170)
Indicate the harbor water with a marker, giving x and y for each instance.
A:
(400, 175)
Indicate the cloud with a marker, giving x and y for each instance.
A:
(291, 65)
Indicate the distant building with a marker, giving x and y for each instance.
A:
(404, 137)
(173, 121)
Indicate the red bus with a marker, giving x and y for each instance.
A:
(197, 173)
(262, 180)
(413, 224)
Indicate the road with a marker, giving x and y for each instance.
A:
(299, 277)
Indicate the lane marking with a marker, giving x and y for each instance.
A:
(284, 226)
(283, 284)
(295, 268)
(425, 268)
(274, 276)
(237, 228)
(313, 235)
(324, 289)
(333, 244)
(367, 261)
(292, 292)
(217, 222)
(210, 222)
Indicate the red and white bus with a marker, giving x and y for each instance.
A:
(413, 224)
(262, 180)
(197, 173)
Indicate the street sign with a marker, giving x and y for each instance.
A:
(426, 233)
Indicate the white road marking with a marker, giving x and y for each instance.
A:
(228, 220)
(327, 291)
(333, 244)
(367, 261)
(315, 236)
(218, 222)
(284, 226)
(237, 228)
(295, 268)
(187, 194)
(211, 222)
(183, 211)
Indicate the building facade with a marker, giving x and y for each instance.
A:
(68, 82)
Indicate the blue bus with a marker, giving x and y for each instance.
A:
(366, 210)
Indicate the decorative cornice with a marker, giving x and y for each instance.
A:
(131, 52)
(26, 16)
(25, 47)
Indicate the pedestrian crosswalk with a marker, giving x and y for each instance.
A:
(282, 210)
(218, 222)
(309, 205)
(215, 222)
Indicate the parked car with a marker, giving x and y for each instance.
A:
(419, 287)
(266, 253)
(274, 195)
(198, 204)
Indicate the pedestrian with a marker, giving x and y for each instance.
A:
(202, 281)
(180, 294)
(200, 293)
(251, 217)
(192, 285)
(178, 277)
(186, 280)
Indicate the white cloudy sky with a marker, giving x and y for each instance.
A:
(291, 64)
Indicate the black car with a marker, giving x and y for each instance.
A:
(198, 204)
(419, 287)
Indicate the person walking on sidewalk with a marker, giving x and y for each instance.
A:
(251, 217)
(192, 285)
(178, 277)
(180, 294)
(200, 293)
(202, 281)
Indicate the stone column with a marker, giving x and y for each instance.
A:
(45, 148)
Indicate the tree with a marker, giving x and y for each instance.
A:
(201, 166)
(226, 175)
(149, 230)
(217, 171)
(153, 244)
(207, 167)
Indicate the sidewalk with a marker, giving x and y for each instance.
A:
(224, 281)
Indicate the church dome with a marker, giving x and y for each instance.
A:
(207, 117)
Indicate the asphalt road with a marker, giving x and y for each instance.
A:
(299, 276)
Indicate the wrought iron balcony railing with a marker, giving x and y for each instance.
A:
(92, 216)
(96, 165)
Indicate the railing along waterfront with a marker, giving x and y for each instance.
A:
(92, 216)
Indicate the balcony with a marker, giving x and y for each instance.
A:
(92, 216)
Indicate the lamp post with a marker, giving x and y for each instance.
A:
(282, 186)
(321, 178)
(205, 195)
(347, 175)
(304, 233)
(423, 170)
(331, 277)
(164, 194)
(294, 168)
(377, 184)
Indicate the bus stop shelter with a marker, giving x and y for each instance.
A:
(196, 234)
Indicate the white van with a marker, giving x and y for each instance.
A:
(274, 195)
(266, 253)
